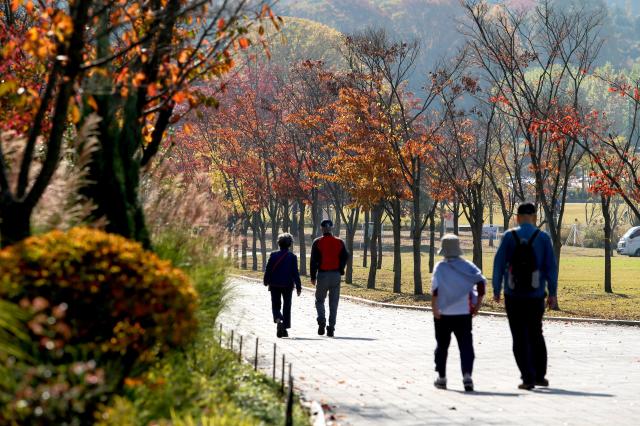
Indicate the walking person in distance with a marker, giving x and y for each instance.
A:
(328, 259)
(281, 275)
(457, 289)
(526, 265)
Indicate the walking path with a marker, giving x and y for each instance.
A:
(378, 370)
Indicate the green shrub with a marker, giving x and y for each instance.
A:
(203, 386)
(102, 308)
(196, 255)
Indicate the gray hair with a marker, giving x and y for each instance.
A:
(285, 240)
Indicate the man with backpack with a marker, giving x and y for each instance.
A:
(526, 264)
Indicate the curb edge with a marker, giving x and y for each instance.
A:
(630, 323)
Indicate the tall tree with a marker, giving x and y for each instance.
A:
(385, 65)
(131, 63)
(537, 62)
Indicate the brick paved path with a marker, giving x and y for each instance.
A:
(379, 368)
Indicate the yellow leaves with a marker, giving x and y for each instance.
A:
(7, 87)
(15, 4)
(74, 113)
(184, 56)
(62, 26)
(91, 101)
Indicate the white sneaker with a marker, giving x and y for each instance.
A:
(440, 382)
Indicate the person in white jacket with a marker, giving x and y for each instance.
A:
(457, 289)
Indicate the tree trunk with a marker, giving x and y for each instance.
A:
(397, 241)
(254, 242)
(606, 214)
(263, 242)
(443, 220)
(286, 217)
(349, 271)
(275, 225)
(416, 238)
(337, 226)
(432, 240)
(476, 233)
(302, 243)
(352, 227)
(316, 216)
(456, 217)
(373, 266)
(476, 220)
(491, 222)
(236, 251)
(379, 225)
(294, 223)
(506, 219)
(366, 238)
(245, 227)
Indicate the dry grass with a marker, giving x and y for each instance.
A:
(581, 291)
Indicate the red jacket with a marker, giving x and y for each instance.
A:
(328, 253)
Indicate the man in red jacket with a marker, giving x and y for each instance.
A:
(328, 259)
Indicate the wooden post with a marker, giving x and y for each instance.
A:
(283, 368)
(274, 361)
(289, 410)
(240, 351)
(255, 360)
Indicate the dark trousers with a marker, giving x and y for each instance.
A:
(529, 349)
(281, 297)
(328, 282)
(460, 325)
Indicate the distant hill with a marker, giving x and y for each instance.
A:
(302, 39)
(433, 22)
(436, 24)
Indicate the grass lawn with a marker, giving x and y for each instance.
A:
(580, 291)
(572, 211)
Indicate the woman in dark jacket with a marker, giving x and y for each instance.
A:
(281, 275)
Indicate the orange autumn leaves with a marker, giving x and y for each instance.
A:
(363, 161)
(119, 54)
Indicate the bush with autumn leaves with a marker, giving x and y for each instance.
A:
(101, 309)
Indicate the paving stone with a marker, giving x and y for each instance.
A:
(379, 368)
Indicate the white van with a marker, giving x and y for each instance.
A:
(629, 243)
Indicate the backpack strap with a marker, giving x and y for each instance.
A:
(530, 242)
(516, 237)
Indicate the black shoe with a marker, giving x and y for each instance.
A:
(330, 331)
(467, 382)
(321, 328)
(526, 386)
(285, 333)
(542, 382)
(440, 382)
(281, 331)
